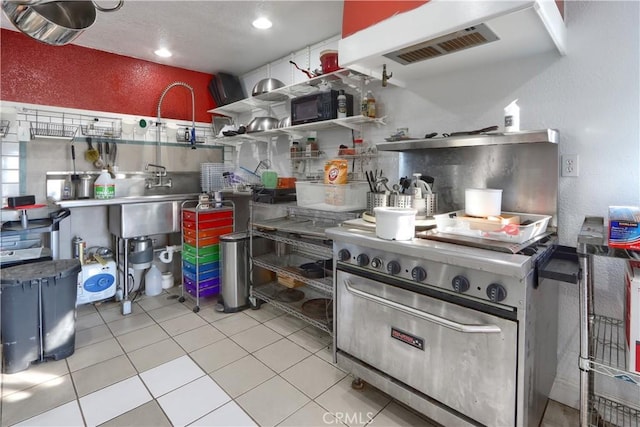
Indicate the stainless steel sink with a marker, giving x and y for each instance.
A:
(146, 215)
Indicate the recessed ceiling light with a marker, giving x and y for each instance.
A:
(262, 23)
(163, 52)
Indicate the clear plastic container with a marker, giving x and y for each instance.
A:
(332, 197)
(153, 281)
(104, 187)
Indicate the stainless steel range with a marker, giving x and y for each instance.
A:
(464, 335)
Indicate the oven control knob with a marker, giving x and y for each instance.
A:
(418, 274)
(362, 260)
(496, 292)
(376, 263)
(460, 284)
(393, 267)
(344, 255)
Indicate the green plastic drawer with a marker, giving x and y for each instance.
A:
(206, 250)
(201, 259)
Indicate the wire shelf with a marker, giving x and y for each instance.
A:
(608, 357)
(53, 130)
(604, 412)
(4, 127)
(284, 265)
(269, 293)
(101, 131)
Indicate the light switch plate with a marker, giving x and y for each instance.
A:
(569, 165)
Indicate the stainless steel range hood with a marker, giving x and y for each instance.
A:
(442, 36)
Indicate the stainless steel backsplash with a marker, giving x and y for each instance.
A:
(527, 173)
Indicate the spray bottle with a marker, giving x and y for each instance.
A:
(512, 117)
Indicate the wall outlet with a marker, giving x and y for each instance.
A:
(569, 165)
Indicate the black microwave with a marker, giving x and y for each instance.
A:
(317, 107)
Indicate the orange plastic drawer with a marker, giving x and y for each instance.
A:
(208, 215)
(202, 234)
(208, 240)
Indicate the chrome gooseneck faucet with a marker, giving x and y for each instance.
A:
(193, 117)
(160, 173)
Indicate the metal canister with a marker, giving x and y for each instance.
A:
(79, 247)
(85, 187)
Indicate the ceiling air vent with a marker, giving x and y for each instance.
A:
(450, 43)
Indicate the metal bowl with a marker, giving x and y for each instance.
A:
(285, 122)
(260, 124)
(266, 86)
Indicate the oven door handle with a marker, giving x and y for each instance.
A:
(460, 327)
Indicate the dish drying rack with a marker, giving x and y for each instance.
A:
(101, 131)
(239, 179)
(53, 130)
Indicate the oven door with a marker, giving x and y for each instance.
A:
(461, 357)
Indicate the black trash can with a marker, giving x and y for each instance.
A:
(38, 312)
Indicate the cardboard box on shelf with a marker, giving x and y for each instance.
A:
(289, 281)
(632, 315)
(624, 227)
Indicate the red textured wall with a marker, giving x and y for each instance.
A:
(77, 77)
(360, 14)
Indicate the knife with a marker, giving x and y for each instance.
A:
(472, 132)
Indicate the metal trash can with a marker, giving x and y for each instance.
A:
(234, 258)
(38, 312)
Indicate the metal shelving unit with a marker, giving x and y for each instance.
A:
(298, 131)
(602, 339)
(302, 233)
(342, 79)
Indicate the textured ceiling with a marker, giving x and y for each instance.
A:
(211, 36)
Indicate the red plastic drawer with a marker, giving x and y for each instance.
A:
(212, 215)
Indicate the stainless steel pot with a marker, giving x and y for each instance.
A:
(55, 22)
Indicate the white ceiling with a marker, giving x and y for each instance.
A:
(211, 36)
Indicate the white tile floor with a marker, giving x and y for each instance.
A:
(165, 365)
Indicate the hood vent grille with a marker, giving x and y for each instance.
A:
(450, 43)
